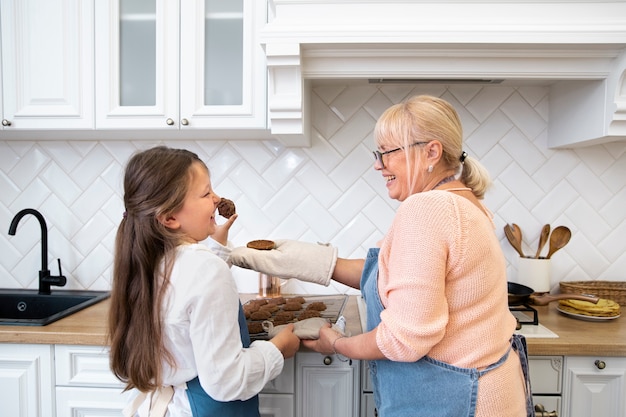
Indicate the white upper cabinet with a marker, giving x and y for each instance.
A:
(180, 66)
(47, 64)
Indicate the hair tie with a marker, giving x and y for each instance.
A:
(463, 156)
(124, 215)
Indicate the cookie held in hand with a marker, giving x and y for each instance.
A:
(261, 244)
(226, 208)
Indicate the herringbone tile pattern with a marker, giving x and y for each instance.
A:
(328, 192)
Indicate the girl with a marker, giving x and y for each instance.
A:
(176, 326)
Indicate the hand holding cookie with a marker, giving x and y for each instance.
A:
(226, 208)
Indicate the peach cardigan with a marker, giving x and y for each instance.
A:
(442, 280)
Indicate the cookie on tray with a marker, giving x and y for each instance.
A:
(317, 305)
(255, 327)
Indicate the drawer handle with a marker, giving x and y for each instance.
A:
(540, 411)
(600, 364)
(6, 122)
(328, 360)
(169, 122)
(184, 122)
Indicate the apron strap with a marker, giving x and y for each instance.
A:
(159, 400)
(519, 344)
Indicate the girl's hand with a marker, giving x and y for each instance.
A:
(221, 231)
(287, 342)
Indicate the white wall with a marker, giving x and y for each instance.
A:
(328, 192)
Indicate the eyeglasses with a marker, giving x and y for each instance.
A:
(378, 156)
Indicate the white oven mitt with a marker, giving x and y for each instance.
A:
(307, 329)
(308, 262)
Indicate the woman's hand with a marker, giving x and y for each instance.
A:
(287, 342)
(324, 344)
(221, 231)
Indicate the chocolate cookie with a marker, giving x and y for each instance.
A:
(292, 306)
(260, 315)
(307, 314)
(269, 307)
(318, 305)
(261, 244)
(255, 327)
(226, 208)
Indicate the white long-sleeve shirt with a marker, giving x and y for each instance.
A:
(202, 333)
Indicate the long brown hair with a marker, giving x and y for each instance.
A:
(155, 183)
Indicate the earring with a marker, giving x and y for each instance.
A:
(430, 169)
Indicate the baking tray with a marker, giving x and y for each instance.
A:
(334, 309)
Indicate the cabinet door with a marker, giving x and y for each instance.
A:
(90, 402)
(47, 64)
(594, 387)
(223, 71)
(26, 385)
(326, 386)
(85, 366)
(276, 405)
(137, 64)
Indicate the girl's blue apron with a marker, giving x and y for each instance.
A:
(202, 405)
(427, 387)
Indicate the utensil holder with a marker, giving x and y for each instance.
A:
(535, 273)
(269, 286)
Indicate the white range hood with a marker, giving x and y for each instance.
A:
(577, 48)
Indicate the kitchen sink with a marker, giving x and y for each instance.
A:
(20, 307)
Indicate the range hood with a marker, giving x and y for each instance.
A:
(577, 48)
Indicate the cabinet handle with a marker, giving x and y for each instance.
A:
(6, 122)
(184, 122)
(600, 364)
(328, 360)
(540, 411)
(169, 122)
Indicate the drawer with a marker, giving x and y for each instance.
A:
(84, 366)
(283, 383)
(549, 404)
(546, 374)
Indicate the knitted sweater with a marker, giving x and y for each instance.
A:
(442, 280)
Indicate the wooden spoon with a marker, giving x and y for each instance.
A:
(543, 239)
(559, 238)
(517, 232)
(510, 236)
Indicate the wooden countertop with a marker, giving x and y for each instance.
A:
(576, 337)
(86, 327)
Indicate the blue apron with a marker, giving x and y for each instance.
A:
(202, 405)
(427, 387)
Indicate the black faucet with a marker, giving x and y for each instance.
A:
(45, 279)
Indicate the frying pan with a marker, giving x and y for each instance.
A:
(521, 294)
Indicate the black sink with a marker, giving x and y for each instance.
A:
(21, 307)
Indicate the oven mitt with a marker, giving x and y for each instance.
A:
(304, 329)
(308, 262)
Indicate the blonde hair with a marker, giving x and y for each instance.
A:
(425, 118)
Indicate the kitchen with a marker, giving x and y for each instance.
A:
(311, 178)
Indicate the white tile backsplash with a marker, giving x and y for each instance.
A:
(328, 192)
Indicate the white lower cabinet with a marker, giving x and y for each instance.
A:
(276, 399)
(327, 386)
(85, 385)
(595, 386)
(26, 379)
(546, 376)
(75, 380)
